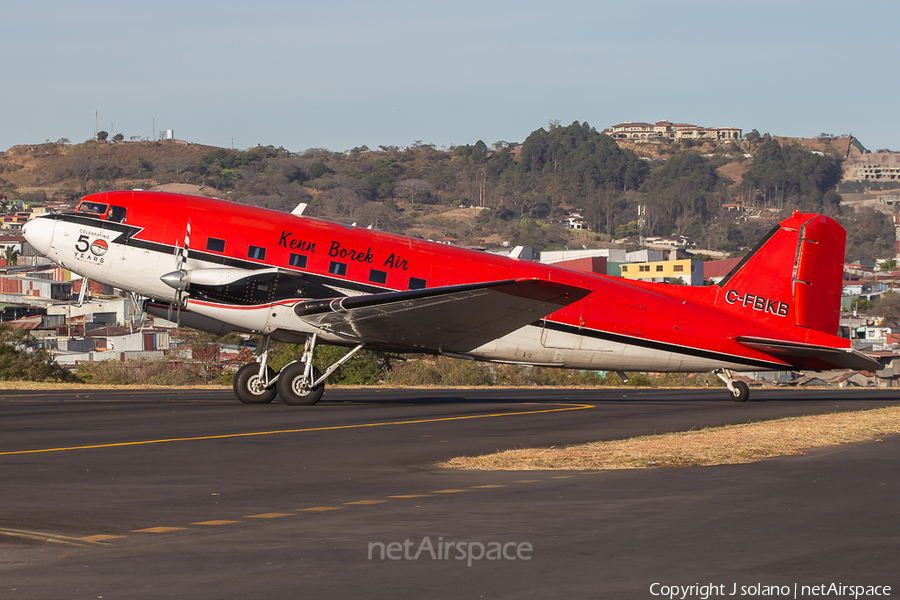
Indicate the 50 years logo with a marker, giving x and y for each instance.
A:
(90, 251)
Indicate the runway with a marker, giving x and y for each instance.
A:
(189, 494)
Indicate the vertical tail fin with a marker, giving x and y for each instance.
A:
(793, 277)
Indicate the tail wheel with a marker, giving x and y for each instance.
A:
(290, 382)
(741, 391)
(249, 388)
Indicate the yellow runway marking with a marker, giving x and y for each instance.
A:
(563, 477)
(101, 538)
(567, 407)
(97, 539)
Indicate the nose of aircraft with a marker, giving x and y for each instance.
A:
(39, 233)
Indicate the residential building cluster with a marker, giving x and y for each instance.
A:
(665, 130)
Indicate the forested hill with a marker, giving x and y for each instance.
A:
(477, 194)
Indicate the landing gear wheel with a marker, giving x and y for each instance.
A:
(289, 386)
(741, 391)
(249, 388)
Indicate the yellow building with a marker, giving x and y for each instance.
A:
(689, 270)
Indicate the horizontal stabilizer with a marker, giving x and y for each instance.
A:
(447, 319)
(811, 356)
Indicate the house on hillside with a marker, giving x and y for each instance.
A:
(574, 220)
(665, 130)
(878, 166)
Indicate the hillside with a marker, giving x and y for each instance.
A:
(472, 194)
(51, 168)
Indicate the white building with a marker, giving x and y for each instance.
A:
(643, 132)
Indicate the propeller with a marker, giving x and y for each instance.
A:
(178, 279)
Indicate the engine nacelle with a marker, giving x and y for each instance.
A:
(183, 280)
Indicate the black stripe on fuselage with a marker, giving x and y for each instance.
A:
(657, 345)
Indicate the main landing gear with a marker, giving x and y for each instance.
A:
(739, 390)
(298, 384)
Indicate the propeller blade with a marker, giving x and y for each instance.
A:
(181, 258)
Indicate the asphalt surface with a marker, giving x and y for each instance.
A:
(189, 494)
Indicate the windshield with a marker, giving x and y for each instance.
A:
(94, 208)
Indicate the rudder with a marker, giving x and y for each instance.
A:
(792, 277)
(819, 273)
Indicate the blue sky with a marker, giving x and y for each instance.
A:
(346, 73)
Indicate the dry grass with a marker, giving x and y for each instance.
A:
(732, 444)
(81, 387)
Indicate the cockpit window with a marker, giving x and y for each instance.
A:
(116, 213)
(94, 208)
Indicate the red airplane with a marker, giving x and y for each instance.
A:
(229, 267)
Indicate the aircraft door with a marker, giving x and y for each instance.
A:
(562, 328)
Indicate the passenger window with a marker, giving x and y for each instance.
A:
(257, 253)
(298, 260)
(336, 268)
(215, 245)
(376, 276)
(417, 284)
(116, 213)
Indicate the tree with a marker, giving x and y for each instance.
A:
(680, 191)
(628, 230)
(11, 255)
(414, 190)
(83, 168)
(888, 306)
(179, 165)
(102, 135)
(19, 362)
(317, 170)
(570, 161)
(870, 234)
(792, 172)
(141, 167)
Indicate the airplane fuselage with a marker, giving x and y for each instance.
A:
(131, 241)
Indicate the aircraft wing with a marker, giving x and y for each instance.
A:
(455, 318)
(799, 354)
